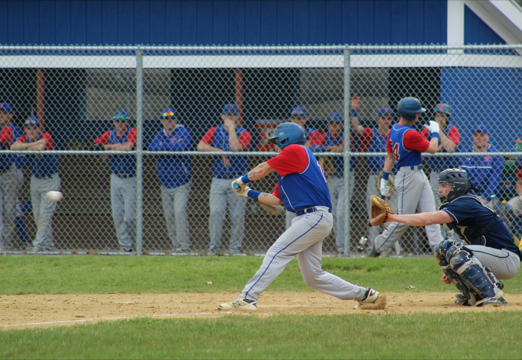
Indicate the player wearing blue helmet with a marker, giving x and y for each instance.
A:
(405, 146)
(302, 189)
(487, 252)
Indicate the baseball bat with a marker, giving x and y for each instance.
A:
(236, 186)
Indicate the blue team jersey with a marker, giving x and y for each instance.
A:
(471, 216)
(403, 156)
(377, 144)
(305, 189)
(20, 160)
(238, 163)
(42, 165)
(173, 170)
(338, 161)
(440, 163)
(308, 131)
(484, 173)
(121, 164)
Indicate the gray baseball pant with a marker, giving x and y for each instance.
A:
(123, 200)
(19, 183)
(391, 200)
(43, 209)
(7, 202)
(413, 194)
(503, 263)
(336, 188)
(221, 194)
(174, 203)
(304, 239)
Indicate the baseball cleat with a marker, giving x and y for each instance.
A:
(462, 300)
(239, 304)
(373, 300)
(492, 301)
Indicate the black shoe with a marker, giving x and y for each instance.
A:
(374, 253)
(462, 300)
(128, 250)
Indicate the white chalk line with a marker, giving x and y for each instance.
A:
(118, 318)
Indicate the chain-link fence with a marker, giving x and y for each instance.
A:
(156, 177)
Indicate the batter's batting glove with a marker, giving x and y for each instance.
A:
(385, 187)
(244, 193)
(238, 185)
(433, 127)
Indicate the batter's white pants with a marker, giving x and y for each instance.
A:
(304, 239)
(221, 194)
(123, 201)
(174, 203)
(43, 209)
(336, 188)
(413, 194)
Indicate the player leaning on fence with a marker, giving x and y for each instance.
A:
(229, 136)
(174, 173)
(123, 178)
(44, 179)
(302, 189)
(405, 146)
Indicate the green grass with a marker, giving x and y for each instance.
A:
(419, 336)
(101, 275)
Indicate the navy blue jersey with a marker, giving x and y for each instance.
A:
(477, 224)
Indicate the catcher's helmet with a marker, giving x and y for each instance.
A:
(443, 108)
(408, 107)
(460, 181)
(288, 134)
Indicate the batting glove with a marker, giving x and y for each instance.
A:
(433, 127)
(243, 193)
(385, 187)
(238, 185)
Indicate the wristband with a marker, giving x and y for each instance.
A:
(354, 113)
(435, 135)
(253, 194)
(245, 179)
(385, 175)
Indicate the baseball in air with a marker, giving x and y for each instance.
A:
(54, 195)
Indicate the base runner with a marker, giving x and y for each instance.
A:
(303, 190)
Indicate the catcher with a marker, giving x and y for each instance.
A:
(487, 252)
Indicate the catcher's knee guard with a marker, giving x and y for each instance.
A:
(440, 251)
(473, 275)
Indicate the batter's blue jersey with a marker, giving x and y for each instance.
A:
(403, 156)
(305, 189)
(484, 173)
(470, 216)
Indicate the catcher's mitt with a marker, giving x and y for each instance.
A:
(379, 211)
(391, 181)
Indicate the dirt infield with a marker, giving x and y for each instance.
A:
(29, 311)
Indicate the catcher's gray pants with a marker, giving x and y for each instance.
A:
(304, 239)
(7, 202)
(413, 194)
(43, 209)
(175, 210)
(391, 200)
(503, 263)
(221, 194)
(336, 188)
(123, 200)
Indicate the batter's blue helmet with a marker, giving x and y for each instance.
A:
(288, 134)
(408, 107)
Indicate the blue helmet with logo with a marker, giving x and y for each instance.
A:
(288, 134)
(409, 107)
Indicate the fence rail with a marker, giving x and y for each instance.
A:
(170, 191)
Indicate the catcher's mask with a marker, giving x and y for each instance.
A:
(288, 134)
(460, 181)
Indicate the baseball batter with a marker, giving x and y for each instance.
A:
(374, 140)
(174, 173)
(405, 146)
(303, 190)
(44, 178)
(487, 252)
(123, 178)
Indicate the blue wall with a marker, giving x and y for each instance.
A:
(477, 31)
(224, 22)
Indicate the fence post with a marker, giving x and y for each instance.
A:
(139, 151)
(347, 150)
